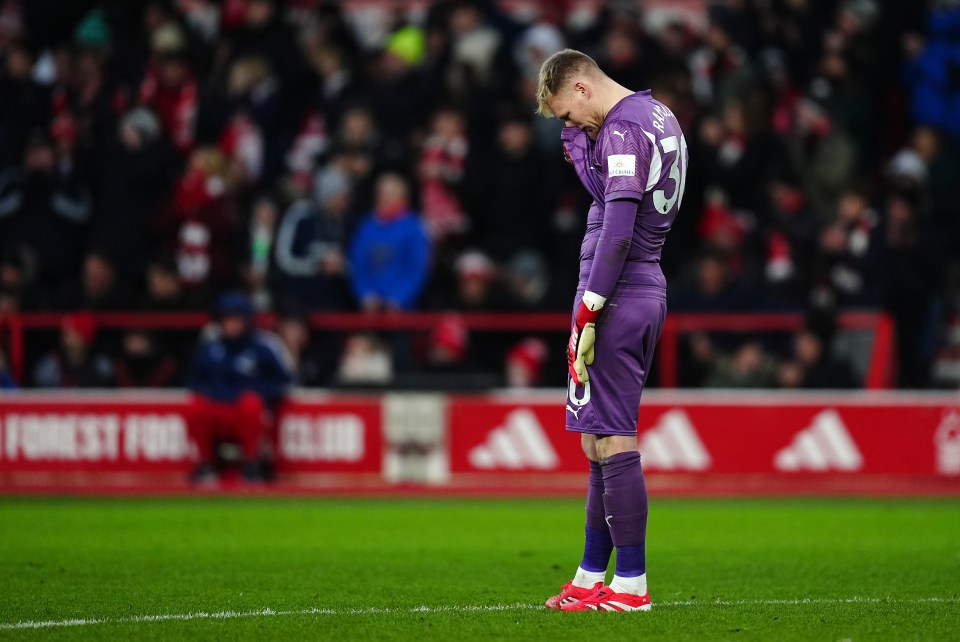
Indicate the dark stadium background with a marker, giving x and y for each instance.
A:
(823, 143)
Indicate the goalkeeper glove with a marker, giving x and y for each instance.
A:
(580, 351)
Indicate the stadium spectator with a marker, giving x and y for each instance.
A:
(144, 363)
(823, 155)
(524, 363)
(258, 269)
(164, 291)
(475, 51)
(265, 34)
(528, 282)
(24, 103)
(714, 289)
(912, 276)
(17, 275)
(390, 253)
(934, 100)
(749, 366)
(812, 366)
(199, 226)
(402, 90)
(45, 209)
(7, 381)
(138, 171)
(238, 376)
(355, 149)
(719, 64)
(850, 253)
(927, 166)
(169, 86)
(508, 193)
(477, 284)
(98, 288)
(791, 237)
(448, 345)
(77, 363)
(255, 92)
(946, 361)
(339, 84)
(310, 367)
(441, 172)
(311, 245)
(366, 360)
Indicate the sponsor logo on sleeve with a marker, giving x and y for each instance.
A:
(622, 165)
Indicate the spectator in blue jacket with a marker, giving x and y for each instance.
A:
(238, 376)
(931, 69)
(390, 252)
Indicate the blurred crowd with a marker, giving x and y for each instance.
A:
(374, 157)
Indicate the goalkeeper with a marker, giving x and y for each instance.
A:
(630, 155)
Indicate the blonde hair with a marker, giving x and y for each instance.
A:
(557, 70)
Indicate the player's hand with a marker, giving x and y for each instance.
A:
(582, 339)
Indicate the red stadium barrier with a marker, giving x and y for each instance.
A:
(880, 371)
(699, 443)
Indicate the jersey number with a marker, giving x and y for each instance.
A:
(678, 172)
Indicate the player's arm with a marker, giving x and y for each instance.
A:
(619, 218)
(626, 150)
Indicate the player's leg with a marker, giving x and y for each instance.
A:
(249, 414)
(591, 573)
(598, 544)
(200, 428)
(624, 352)
(625, 503)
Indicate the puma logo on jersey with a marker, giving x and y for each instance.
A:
(620, 134)
(576, 413)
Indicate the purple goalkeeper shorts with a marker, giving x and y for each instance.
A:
(627, 333)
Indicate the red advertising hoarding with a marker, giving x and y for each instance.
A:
(730, 440)
(148, 433)
(752, 433)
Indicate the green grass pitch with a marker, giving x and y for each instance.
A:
(480, 569)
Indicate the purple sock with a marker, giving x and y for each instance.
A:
(597, 544)
(625, 502)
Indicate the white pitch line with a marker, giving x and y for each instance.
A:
(230, 615)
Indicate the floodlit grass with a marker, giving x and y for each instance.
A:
(360, 569)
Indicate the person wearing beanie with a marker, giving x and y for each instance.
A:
(142, 171)
(238, 376)
(76, 364)
(525, 363)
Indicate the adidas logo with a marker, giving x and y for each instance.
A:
(673, 444)
(823, 445)
(519, 443)
(947, 441)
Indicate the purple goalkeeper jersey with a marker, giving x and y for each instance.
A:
(635, 171)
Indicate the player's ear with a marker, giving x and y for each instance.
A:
(581, 88)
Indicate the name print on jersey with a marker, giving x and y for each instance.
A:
(660, 114)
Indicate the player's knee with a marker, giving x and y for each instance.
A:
(609, 445)
(589, 444)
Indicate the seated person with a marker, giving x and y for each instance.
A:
(238, 376)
